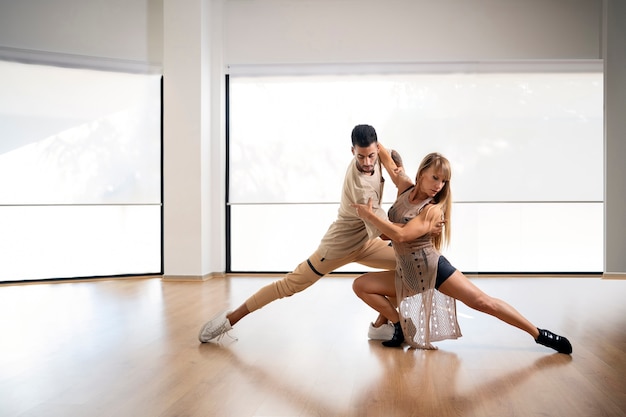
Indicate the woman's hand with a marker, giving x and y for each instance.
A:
(437, 227)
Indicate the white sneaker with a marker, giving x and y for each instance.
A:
(384, 332)
(216, 327)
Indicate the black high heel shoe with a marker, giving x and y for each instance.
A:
(398, 337)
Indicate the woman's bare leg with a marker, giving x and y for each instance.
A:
(460, 287)
(376, 289)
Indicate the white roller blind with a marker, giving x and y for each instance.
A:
(511, 136)
(525, 141)
(78, 136)
(80, 172)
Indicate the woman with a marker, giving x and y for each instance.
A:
(425, 283)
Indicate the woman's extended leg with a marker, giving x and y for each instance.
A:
(460, 287)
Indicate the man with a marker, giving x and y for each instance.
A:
(348, 239)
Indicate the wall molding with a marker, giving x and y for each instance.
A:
(614, 275)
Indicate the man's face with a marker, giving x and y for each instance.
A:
(366, 157)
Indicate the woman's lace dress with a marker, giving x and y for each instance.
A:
(426, 315)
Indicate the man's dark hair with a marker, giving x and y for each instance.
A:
(363, 136)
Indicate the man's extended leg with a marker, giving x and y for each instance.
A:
(305, 275)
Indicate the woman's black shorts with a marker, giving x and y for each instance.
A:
(444, 271)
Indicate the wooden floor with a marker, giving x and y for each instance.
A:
(128, 347)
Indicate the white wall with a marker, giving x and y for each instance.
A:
(331, 31)
(317, 31)
(292, 31)
(193, 140)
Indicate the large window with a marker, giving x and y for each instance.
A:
(80, 173)
(525, 142)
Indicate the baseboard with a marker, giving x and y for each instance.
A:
(192, 278)
(614, 275)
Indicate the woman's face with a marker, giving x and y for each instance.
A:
(431, 181)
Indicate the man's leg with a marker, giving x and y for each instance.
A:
(302, 277)
(377, 253)
(305, 275)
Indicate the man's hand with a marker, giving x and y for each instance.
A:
(363, 210)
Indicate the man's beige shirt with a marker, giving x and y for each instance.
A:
(348, 232)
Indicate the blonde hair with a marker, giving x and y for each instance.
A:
(443, 199)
